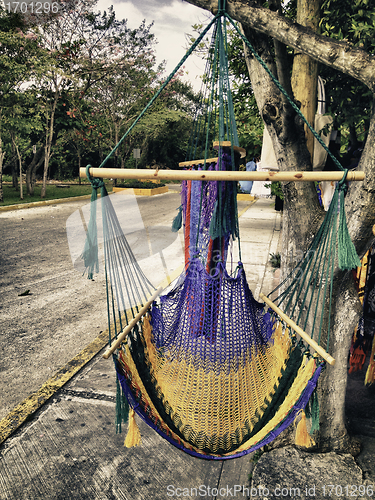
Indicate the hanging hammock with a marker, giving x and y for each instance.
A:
(215, 372)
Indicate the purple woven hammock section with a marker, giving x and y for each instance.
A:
(209, 315)
(209, 214)
(211, 318)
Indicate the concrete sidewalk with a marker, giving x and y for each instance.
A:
(69, 449)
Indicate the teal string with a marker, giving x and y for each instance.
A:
(90, 254)
(347, 255)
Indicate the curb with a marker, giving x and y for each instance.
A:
(43, 203)
(23, 412)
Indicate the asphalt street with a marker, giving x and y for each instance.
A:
(49, 311)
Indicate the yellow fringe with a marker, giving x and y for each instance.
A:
(302, 436)
(147, 335)
(370, 374)
(133, 437)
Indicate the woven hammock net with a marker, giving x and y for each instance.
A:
(210, 368)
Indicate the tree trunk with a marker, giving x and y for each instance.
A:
(20, 166)
(14, 165)
(79, 164)
(332, 385)
(305, 69)
(340, 55)
(31, 169)
(48, 144)
(2, 155)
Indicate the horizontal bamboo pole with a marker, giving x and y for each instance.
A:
(214, 175)
(322, 353)
(131, 325)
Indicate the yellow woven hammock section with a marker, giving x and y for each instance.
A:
(214, 413)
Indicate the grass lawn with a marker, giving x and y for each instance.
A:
(12, 196)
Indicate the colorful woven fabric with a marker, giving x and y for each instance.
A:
(210, 368)
(207, 411)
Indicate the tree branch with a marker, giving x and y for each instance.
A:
(340, 55)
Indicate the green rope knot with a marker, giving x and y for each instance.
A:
(90, 252)
(177, 221)
(96, 183)
(342, 184)
(222, 7)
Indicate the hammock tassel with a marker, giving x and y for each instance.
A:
(357, 359)
(177, 221)
(302, 436)
(312, 412)
(133, 437)
(122, 407)
(147, 335)
(347, 255)
(370, 373)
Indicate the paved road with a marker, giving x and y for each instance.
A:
(64, 311)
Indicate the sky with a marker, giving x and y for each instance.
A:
(172, 19)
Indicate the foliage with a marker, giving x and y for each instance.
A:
(276, 189)
(349, 101)
(76, 82)
(11, 197)
(275, 260)
(130, 183)
(249, 122)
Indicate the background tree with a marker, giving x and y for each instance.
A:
(19, 58)
(302, 214)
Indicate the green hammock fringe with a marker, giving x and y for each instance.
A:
(312, 411)
(122, 407)
(90, 254)
(177, 221)
(224, 208)
(347, 255)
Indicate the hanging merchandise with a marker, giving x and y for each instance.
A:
(323, 125)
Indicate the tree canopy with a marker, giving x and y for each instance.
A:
(70, 86)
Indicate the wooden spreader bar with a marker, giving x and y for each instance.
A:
(213, 175)
(322, 353)
(131, 324)
(198, 162)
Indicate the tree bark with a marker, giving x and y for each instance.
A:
(332, 385)
(340, 55)
(2, 156)
(48, 144)
(14, 165)
(305, 69)
(20, 167)
(32, 168)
